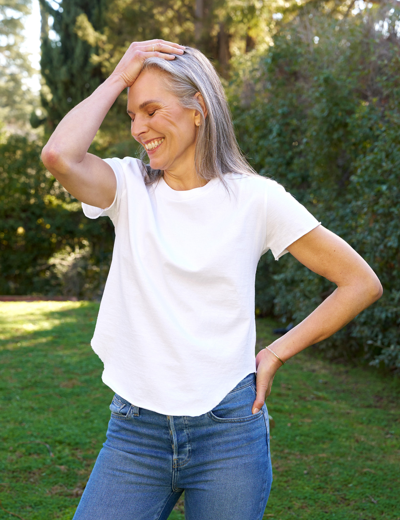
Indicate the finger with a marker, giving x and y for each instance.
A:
(263, 391)
(165, 42)
(164, 48)
(163, 55)
(259, 402)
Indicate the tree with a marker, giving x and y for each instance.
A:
(16, 101)
(66, 64)
(219, 28)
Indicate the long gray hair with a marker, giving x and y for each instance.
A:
(217, 151)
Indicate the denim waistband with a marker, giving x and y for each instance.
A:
(246, 381)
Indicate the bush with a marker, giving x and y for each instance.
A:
(323, 120)
(47, 245)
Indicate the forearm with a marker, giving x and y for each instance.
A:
(328, 255)
(334, 313)
(71, 139)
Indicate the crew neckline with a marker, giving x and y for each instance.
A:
(168, 192)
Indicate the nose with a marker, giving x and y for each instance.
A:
(138, 127)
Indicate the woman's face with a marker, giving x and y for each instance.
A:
(166, 129)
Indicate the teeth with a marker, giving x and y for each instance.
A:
(153, 144)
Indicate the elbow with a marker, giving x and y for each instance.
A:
(51, 158)
(375, 289)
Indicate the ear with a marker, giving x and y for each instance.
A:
(197, 117)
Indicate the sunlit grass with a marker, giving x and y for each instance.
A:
(18, 320)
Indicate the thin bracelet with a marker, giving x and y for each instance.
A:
(276, 355)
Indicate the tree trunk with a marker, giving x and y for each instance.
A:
(44, 22)
(250, 43)
(198, 24)
(223, 50)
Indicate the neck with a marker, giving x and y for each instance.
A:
(184, 182)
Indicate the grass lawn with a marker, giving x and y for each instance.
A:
(335, 444)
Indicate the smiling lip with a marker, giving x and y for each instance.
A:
(151, 150)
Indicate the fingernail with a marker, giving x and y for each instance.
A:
(256, 410)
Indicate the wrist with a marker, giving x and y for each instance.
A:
(116, 81)
(275, 358)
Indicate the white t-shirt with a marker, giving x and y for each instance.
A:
(176, 324)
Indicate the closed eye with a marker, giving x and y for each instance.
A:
(152, 113)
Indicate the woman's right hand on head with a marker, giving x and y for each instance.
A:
(130, 65)
(85, 176)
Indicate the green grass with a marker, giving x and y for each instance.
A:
(335, 444)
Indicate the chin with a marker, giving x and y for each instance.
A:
(157, 165)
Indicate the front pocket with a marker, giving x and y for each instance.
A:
(236, 406)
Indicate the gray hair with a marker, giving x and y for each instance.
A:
(217, 151)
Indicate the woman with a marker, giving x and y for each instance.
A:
(176, 327)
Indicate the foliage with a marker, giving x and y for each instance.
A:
(16, 101)
(334, 446)
(66, 67)
(47, 245)
(322, 118)
(182, 21)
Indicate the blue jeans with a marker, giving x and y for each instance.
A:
(221, 459)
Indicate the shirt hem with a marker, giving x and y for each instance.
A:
(178, 411)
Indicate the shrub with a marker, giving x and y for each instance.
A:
(323, 121)
(47, 245)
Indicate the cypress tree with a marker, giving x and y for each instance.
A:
(67, 66)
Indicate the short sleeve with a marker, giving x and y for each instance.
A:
(287, 219)
(94, 212)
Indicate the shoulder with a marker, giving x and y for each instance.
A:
(255, 182)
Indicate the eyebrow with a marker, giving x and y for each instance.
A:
(144, 104)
